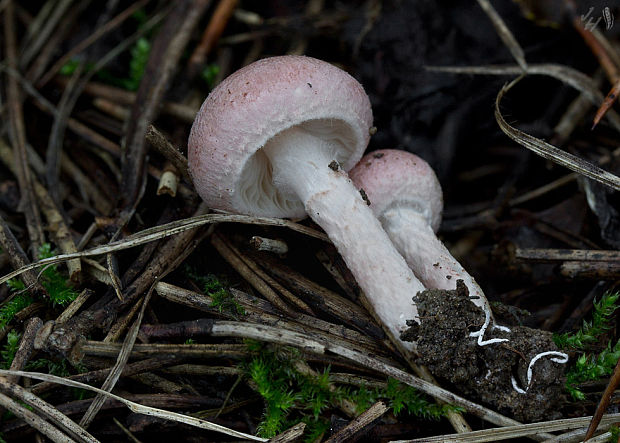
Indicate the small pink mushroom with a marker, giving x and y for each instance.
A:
(273, 139)
(406, 197)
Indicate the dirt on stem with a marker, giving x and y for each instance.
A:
(487, 372)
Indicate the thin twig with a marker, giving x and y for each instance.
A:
(33, 419)
(211, 35)
(507, 432)
(75, 305)
(56, 223)
(53, 153)
(126, 431)
(44, 32)
(146, 365)
(603, 51)
(504, 33)
(26, 346)
(159, 142)
(608, 102)
(17, 257)
(362, 422)
(249, 274)
(257, 310)
(16, 116)
(55, 41)
(117, 369)
(541, 255)
(110, 95)
(293, 434)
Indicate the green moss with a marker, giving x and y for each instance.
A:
(69, 67)
(291, 397)
(139, 58)
(592, 331)
(615, 434)
(10, 349)
(209, 73)
(59, 368)
(61, 293)
(15, 284)
(591, 365)
(221, 298)
(140, 52)
(12, 307)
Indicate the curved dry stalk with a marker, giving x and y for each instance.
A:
(136, 407)
(117, 369)
(53, 415)
(575, 79)
(550, 152)
(571, 77)
(523, 430)
(34, 420)
(167, 230)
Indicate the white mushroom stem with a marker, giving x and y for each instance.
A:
(430, 259)
(301, 168)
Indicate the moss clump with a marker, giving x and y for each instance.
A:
(60, 292)
(221, 298)
(292, 397)
(591, 365)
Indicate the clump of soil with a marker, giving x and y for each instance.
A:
(486, 372)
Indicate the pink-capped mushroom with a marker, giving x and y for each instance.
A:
(274, 139)
(406, 197)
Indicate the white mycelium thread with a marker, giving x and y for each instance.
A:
(480, 333)
(562, 358)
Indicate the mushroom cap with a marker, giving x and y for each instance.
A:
(241, 115)
(391, 177)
